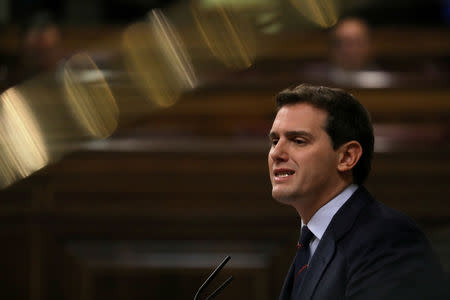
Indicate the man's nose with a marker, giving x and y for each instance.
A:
(279, 152)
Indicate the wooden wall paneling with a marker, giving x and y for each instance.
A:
(15, 260)
(387, 42)
(134, 259)
(35, 258)
(414, 182)
(394, 105)
(293, 43)
(61, 273)
(407, 104)
(17, 199)
(94, 224)
(194, 184)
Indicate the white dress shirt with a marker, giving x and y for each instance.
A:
(322, 218)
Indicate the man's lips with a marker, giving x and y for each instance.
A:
(282, 174)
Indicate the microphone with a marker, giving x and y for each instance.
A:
(211, 277)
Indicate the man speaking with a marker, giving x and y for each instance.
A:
(351, 246)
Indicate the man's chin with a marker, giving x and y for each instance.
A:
(283, 196)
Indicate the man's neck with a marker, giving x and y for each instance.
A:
(306, 208)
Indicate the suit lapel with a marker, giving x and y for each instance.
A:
(339, 225)
(287, 286)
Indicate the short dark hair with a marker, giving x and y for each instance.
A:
(347, 120)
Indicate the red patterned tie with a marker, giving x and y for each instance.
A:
(301, 259)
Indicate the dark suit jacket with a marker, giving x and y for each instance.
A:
(370, 251)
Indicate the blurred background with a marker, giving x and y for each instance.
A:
(132, 162)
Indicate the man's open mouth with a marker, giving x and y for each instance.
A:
(283, 173)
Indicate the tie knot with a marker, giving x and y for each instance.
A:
(305, 236)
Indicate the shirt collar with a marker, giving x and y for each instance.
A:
(322, 218)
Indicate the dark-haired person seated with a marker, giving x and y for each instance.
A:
(351, 246)
(350, 60)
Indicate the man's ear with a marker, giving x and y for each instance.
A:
(348, 155)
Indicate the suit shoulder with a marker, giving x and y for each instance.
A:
(386, 248)
(380, 222)
(377, 217)
(364, 215)
(373, 227)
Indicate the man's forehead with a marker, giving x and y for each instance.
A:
(300, 115)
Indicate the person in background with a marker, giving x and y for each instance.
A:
(350, 60)
(39, 51)
(350, 47)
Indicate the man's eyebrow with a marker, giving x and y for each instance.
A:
(299, 133)
(292, 133)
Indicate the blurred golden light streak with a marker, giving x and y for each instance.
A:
(324, 13)
(175, 51)
(46, 117)
(89, 96)
(227, 34)
(158, 60)
(269, 21)
(22, 149)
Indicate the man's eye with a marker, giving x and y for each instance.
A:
(299, 141)
(274, 142)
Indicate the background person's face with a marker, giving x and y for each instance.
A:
(302, 162)
(350, 46)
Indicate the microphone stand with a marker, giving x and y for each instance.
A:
(211, 277)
